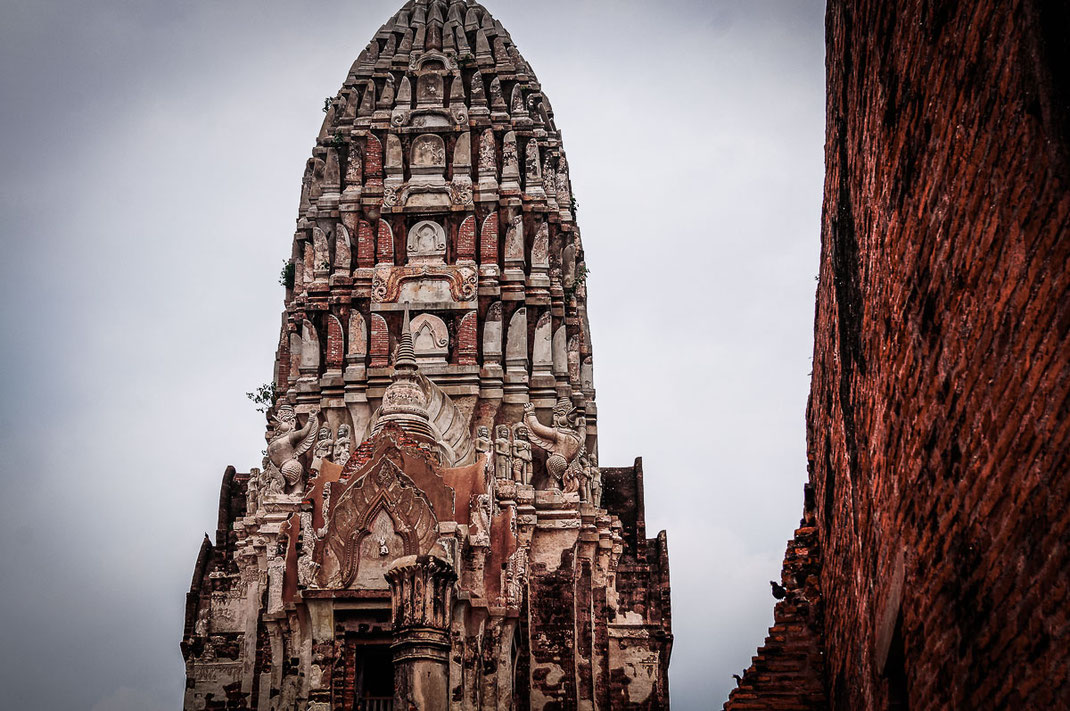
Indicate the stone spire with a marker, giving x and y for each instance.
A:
(404, 402)
(439, 185)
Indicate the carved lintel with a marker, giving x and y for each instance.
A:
(387, 281)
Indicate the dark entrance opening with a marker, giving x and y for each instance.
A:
(374, 682)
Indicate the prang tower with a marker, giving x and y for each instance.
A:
(430, 528)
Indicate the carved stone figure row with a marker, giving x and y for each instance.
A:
(568, 463)
(334, 449)
(510, 457)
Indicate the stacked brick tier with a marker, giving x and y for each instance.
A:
(787, 674)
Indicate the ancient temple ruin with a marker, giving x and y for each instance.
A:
(431, 528)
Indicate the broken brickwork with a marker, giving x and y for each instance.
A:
(430, 527)
(937, 426)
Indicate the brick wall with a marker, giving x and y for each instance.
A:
(466, 239)
(488, 240)
(379, 345)
(466, 339)
(937, 425)
(365, 244)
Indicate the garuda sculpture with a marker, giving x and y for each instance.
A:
(562, 442)
(287, 443)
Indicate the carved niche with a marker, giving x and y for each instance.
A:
(430, 339)
(426, 243)
(381, 517)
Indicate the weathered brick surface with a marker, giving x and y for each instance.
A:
(488, 240)
(335, 342)
(466, 339)
(466, 239)
(937, 426)
(384, 245)
(365, 244)
(788, 672)
(379, 343)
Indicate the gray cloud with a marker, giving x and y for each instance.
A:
(151, 156)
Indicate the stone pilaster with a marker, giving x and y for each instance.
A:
(421, 592)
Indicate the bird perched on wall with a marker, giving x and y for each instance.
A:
(779, 591)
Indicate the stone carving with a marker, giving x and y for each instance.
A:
(393, 162)
(503, 452)
(497, 101)
(492, 333)
(542, 349)
(429, 90)
(322, 255)
(515, 575)
(595, 477)
(483, 442)
(324, 444)
(516, 103)
(354, 169)
(288, 442)
(252, 492)
(462, 156)
(358, 338)
(428, 151)
(343, 446)
(272, 481)
(488, 162)
(540, 249)
(549, 184)
(562, 442)
(521, 455)
(386, 98)
(516, 348)
(461, 193)
(514, 243)
(533, 172)
(276, 571)
(306, 567)
(342, 251)
(480, 518)
(458, 283)
(430, 339)
(426, 243)
(382, 502)
(310, 349)
(510, 164)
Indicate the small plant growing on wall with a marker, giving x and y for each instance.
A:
(286, 277)
(264, 397)
(581, 278)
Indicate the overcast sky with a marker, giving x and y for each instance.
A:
(151, 154)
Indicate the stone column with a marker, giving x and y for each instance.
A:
(421, 592)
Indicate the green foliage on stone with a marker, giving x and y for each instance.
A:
(581, 278)
(264, 396)
(286, 278)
